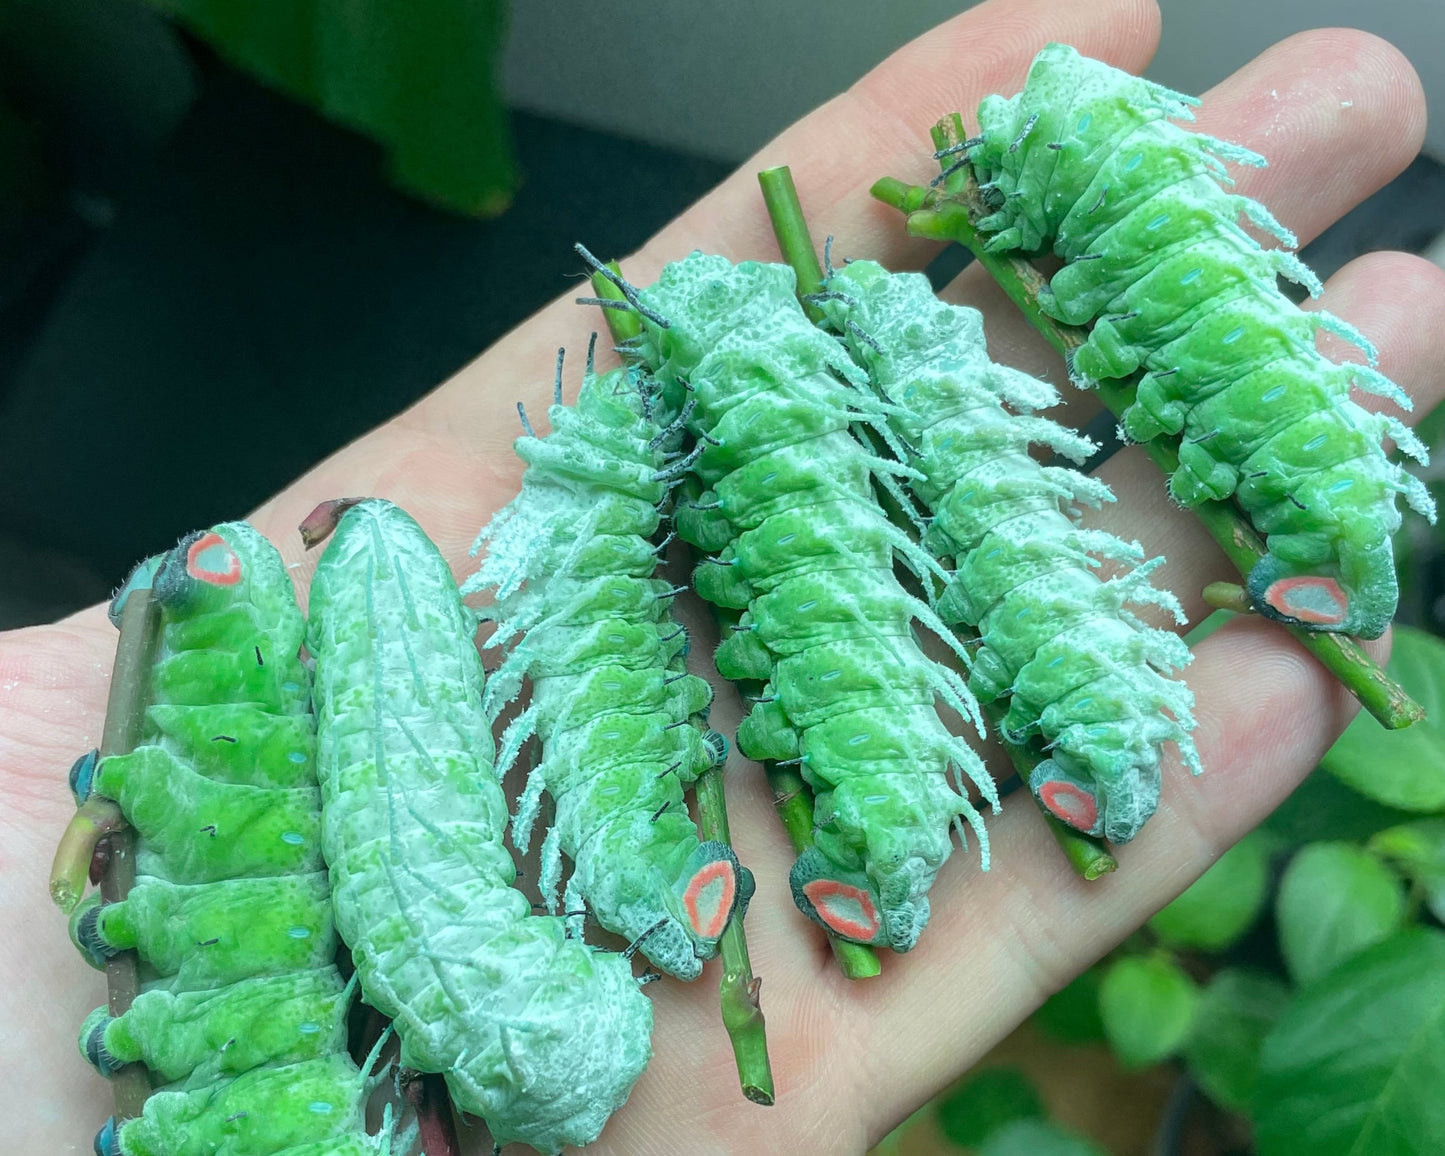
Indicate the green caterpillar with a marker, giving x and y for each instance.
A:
(245, 1020)
(534, 1031)
(1086, 160)
(1077, 667)
(570, 566)
(798, 541)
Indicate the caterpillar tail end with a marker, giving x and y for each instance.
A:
(1067, 797)
(843, 902)
(1319, 601)
(715, 889)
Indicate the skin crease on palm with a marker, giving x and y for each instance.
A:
(1338, 114)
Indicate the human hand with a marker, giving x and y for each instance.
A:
(1337, 113)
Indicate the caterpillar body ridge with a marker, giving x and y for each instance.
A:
(1078, 668)
(1088, 160)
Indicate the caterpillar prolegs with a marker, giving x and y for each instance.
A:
(245, 1017)
(536, 1032)
(798, 542)
(570, 565)
(1086, 160)
(1061, 644)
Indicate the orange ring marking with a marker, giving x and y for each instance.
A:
(206, 573)
(822, 892)
(1278, 596)
(1072, 804)
(718, 871)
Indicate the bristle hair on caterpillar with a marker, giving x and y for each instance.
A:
(534, 1030)
(571, 569)
(1160, 260)
(245, 1024)
(1062, 646)
(796, 540)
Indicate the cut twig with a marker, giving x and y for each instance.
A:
(101, 819)
(948, 214)
(1085, 853)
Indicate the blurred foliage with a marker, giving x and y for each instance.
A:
(1223, 902)
(420, 79)
(969, 1112)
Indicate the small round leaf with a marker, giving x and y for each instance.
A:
(1037, 1138)
(1237, 1010)
(1148, 1005)
(1071, 1014)
(973, 1109)
(1335, 900)
(1222, 903)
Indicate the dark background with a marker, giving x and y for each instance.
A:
(205, 288)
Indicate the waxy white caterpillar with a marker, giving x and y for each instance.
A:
(1077, 667)
(570, 566)
(798, 541)
(536, 1032)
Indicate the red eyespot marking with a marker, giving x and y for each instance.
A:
(709, 898)
(210, 560)
(847, 910)
(1316, 600)
(1074, 805)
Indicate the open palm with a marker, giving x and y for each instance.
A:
(1338, 114)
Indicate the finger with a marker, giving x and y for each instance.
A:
(1401, 299)
(1338, 114)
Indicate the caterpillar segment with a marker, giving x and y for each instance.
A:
(797, 542)
(244, 1021)
(1160, 260)
(571, 566)
(1060, 644)
(536, 1032)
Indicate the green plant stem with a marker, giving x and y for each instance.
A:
(742, 1014)
(624, 325)
(795, 243)
(948, 215)
(738, 990)
(1086, 854)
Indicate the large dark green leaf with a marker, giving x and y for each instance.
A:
(420, 79)
(1148, 1005)
(970, 1111)
(1322, 808)
(1222, 903)
(1334, 901)
(1236, 1011)
(1418, 849)
(1037, 1138)
(1404, 768)
(1356, 1064)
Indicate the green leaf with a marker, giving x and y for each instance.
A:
(1322, 808)
(1147, 1004)
(1236, 1011)
(1356, 1064)
(1404, 768)
(973, 1109)
(1334, 901)
(1037, 1138)
(1222, 903)
(1071, 1014)
(1418, 849)
(419, 79)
